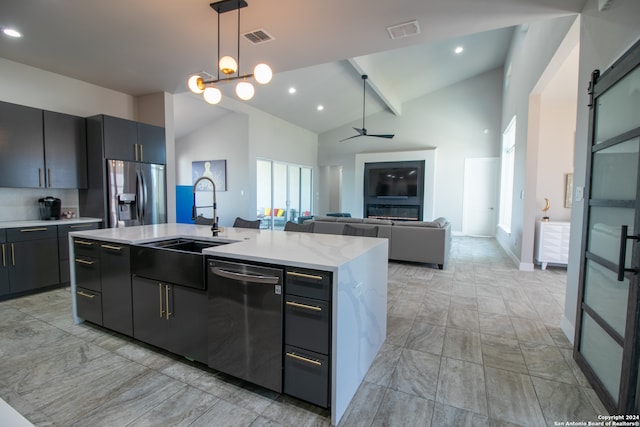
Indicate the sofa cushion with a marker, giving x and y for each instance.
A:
(350, 220)
(377, 221)
(429, 224)
(325, 218)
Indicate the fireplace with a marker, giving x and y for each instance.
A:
(398, 212)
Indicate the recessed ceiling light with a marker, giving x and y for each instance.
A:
(292, 90)
(458, 50)
(11, 32)
(320, 108)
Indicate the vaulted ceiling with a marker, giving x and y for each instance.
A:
(321, 48)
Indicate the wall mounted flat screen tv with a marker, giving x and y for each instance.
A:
(393, 182)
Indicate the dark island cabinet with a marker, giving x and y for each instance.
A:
(21, 147)
(4, 265)
(131, 141)
(307, 335)
(171, 317)
(63, 246)
(32, 258)
(115, 264)
(65, 150)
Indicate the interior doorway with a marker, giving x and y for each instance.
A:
(480, 196)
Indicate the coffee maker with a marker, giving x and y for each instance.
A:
(50, 208)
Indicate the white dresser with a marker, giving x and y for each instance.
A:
(552, 242)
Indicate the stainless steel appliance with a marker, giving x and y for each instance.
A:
(136, 193)
(245, 322)
(50, 207)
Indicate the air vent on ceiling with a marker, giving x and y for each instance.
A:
(258, 36)
(407, 29)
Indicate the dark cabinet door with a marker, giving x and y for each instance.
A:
(21, 147)
(4, 264)
(149, 311)
(65, 149)
(117, 309)
(187, 324)
(33, 264)
(120, 138)
(152, 147)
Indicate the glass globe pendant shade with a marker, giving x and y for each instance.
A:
(262, 73)
(212, 95)
(195, 84)
(245, 90)
(228, 65)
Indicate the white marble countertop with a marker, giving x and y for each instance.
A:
(307, 250)
(42, 223)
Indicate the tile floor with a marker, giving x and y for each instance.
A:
(476, 344)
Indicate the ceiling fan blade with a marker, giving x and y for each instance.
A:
(388, 136)
(351, 137)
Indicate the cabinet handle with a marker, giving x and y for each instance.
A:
(49, 177)
(305, 306)
(160, 303)
(306, 276)
(115, 248)
(135, 151)
(13, 256)
(29, 230)
(83, 242)
(141, 154)
(85, 295)
(40, 177)
(166, 300)
(4, 259)
(304, 359)
(84, 261)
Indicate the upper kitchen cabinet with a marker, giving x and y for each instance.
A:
(131, 141)
(152, 146)
(21, 147)
(65, 150)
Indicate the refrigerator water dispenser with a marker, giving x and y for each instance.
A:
(127, 209)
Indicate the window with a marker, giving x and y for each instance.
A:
(506, 177)
(283, 192)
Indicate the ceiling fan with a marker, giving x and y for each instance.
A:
(363, 131)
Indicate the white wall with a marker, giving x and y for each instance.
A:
(241, 136)
(452, 119)
(532, 49)
(604, 36)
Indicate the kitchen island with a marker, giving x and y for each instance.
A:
(357, 268)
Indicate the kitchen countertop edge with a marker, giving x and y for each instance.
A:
(45, 223)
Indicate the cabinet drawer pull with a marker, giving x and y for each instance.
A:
(29, 230)
(85, 243)
(4, 258)
(305, 306)
(13, 256)
(115, 248)
(306, 276)
(85, 295)
(160, 302)
(84, 261)
(304, 359)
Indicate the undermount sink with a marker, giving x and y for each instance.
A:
(179, 261)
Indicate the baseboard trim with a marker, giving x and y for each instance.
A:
(568, 328)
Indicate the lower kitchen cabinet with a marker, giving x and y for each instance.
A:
(63, 246)
(171, 317)
(115, 276)
(89, 305)
(32, 258)
(4, 265)
(307, 335)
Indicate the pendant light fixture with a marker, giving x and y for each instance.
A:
(229, 66)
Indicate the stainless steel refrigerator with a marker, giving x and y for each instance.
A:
(136, 193)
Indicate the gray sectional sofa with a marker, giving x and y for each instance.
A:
(415, 241)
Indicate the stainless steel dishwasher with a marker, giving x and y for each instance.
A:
(245, 321)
